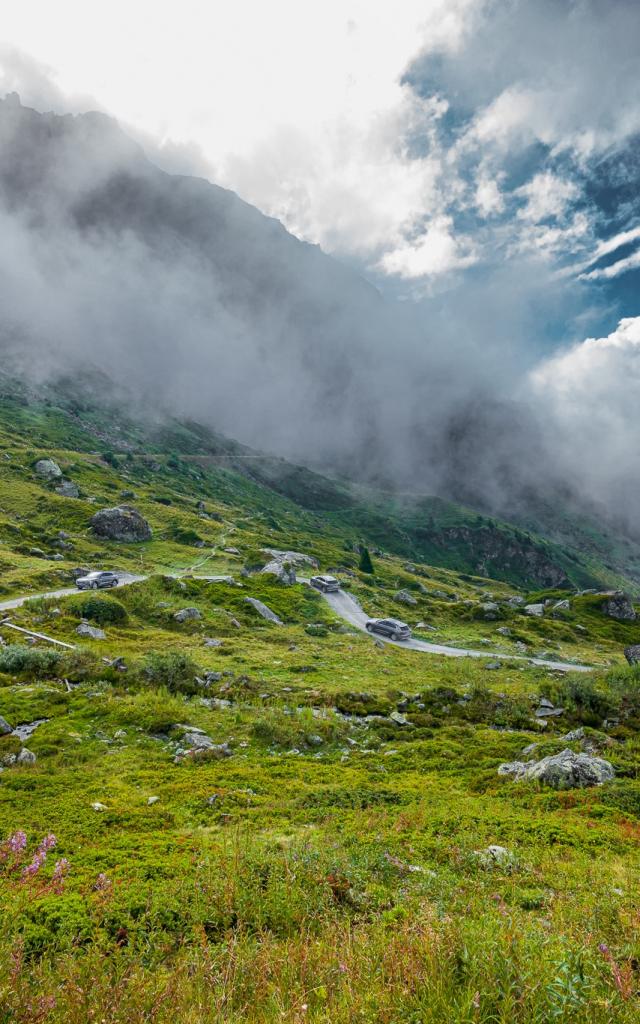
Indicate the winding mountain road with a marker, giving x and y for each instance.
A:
(347, 608)
(343, 605)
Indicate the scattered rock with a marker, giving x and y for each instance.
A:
(187, 614)
(97, 806)
(314, 740)
(26, 757)
(618, 606)
(231, 551)
(537, 610)
(5, 728)
(67, 489)
(122, 523)
(490, 610)
(548, 711)
(48, 469)
(399, 719)
(632, 654)
(262, 610)
(562, 606)
(152, 800)
(492, 666)
(574, 735)
(516, 601)
(562, 771)
(503, 631)
(404, 597)
(92, 632)
(209, 641)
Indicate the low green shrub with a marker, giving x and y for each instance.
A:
(17, 659)
(103, 610)
(174, 671)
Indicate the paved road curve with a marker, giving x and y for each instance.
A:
(347, 608)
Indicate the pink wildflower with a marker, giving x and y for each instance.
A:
(102, 883)
(35, 865)
(61, 869)
(48, 843)
(15, 844)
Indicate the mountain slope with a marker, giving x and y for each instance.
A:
(176, 459)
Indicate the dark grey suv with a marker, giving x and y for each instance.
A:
(97, 581)
(392, 628)
(328, 584)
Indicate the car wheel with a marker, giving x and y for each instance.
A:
(395, 636)
(369, 628)
(94, 586)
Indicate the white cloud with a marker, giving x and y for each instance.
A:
(301, 109)
(546, 195)
(614, 269)
(589, 397)
(488, 197)
(598, 368)
(436, 251)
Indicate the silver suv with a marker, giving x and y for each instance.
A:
(97, 581)
(328, 584)
(392, 628)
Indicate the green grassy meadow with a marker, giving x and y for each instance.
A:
(322, 861)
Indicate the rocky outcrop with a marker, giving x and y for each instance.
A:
(292, 557)
(618, 606)
(404, 597)
(122, 523)
(565, 770)
(498, 554)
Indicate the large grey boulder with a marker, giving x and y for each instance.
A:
(5, 728)
(283, 571)
(404, 597)
(122, 523)
(565, 770)
(618, 606)
(292, 557)
(262, 610)
(186, 614)
(48, 469)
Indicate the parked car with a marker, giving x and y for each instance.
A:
(97, 581)
(392, 628)
(328, 584)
